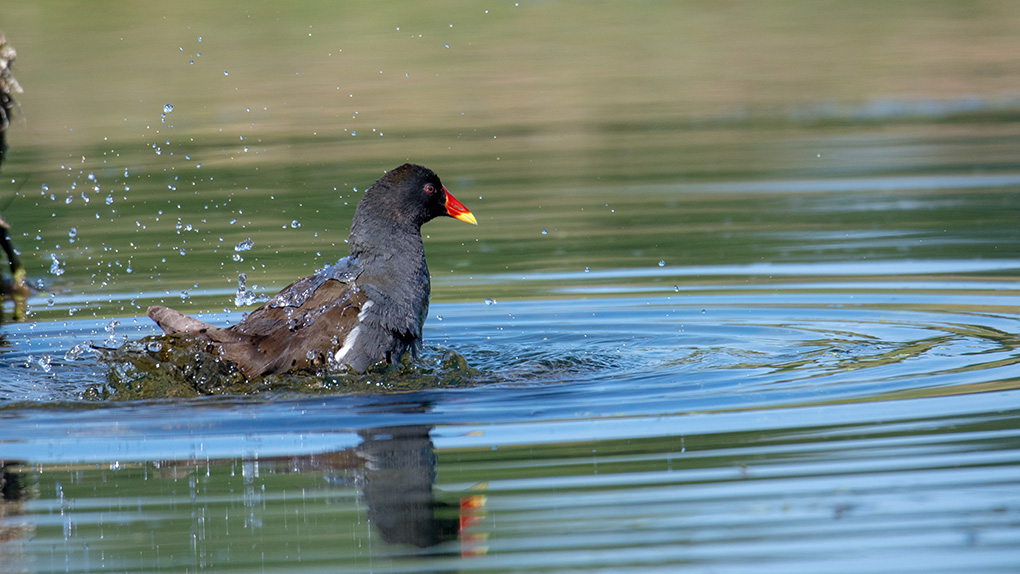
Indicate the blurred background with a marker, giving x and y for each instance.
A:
(150, 131)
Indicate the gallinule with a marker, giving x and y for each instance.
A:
(367, 308)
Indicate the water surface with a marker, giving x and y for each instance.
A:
(743, 295)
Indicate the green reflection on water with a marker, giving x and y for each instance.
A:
(580, 136)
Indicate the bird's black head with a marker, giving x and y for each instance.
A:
(398, 204)
(410, 195)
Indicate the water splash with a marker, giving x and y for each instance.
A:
(75, 352)
(55, 268)
(241, 296)
(111, 328)
(245, 296)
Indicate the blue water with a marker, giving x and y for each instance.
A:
(846, 426)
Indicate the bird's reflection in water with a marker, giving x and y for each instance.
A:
(399, 472)
(396, 470)
(12, 495)
(393, 467)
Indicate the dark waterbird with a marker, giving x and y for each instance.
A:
(367, 308)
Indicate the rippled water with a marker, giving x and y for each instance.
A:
(732, 304)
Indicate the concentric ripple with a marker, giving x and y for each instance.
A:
(769, 345)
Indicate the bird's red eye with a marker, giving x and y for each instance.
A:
(429, 188)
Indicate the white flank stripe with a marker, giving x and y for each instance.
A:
(348, 345)
(352, 336)
(361, 316)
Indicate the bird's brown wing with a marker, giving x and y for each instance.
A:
(299, 328)
(279, 336)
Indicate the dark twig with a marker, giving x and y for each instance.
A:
(17, 288)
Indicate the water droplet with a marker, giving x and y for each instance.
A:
(244, 245)
(676, 288)
(55, 267)
(662, 263)
(44, 363)
(74, 352)
(168, 108)
(109, 199)
(226, 73)
(181, 251)
(587, 269)
(545, 232)
(439, 317)
(73, 232)
(295, 224)
(489, 301)
(241, 297)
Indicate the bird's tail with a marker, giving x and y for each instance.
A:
(174, 322)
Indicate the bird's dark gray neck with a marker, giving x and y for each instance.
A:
(372, 233)
(387, 245)
(395, 273)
